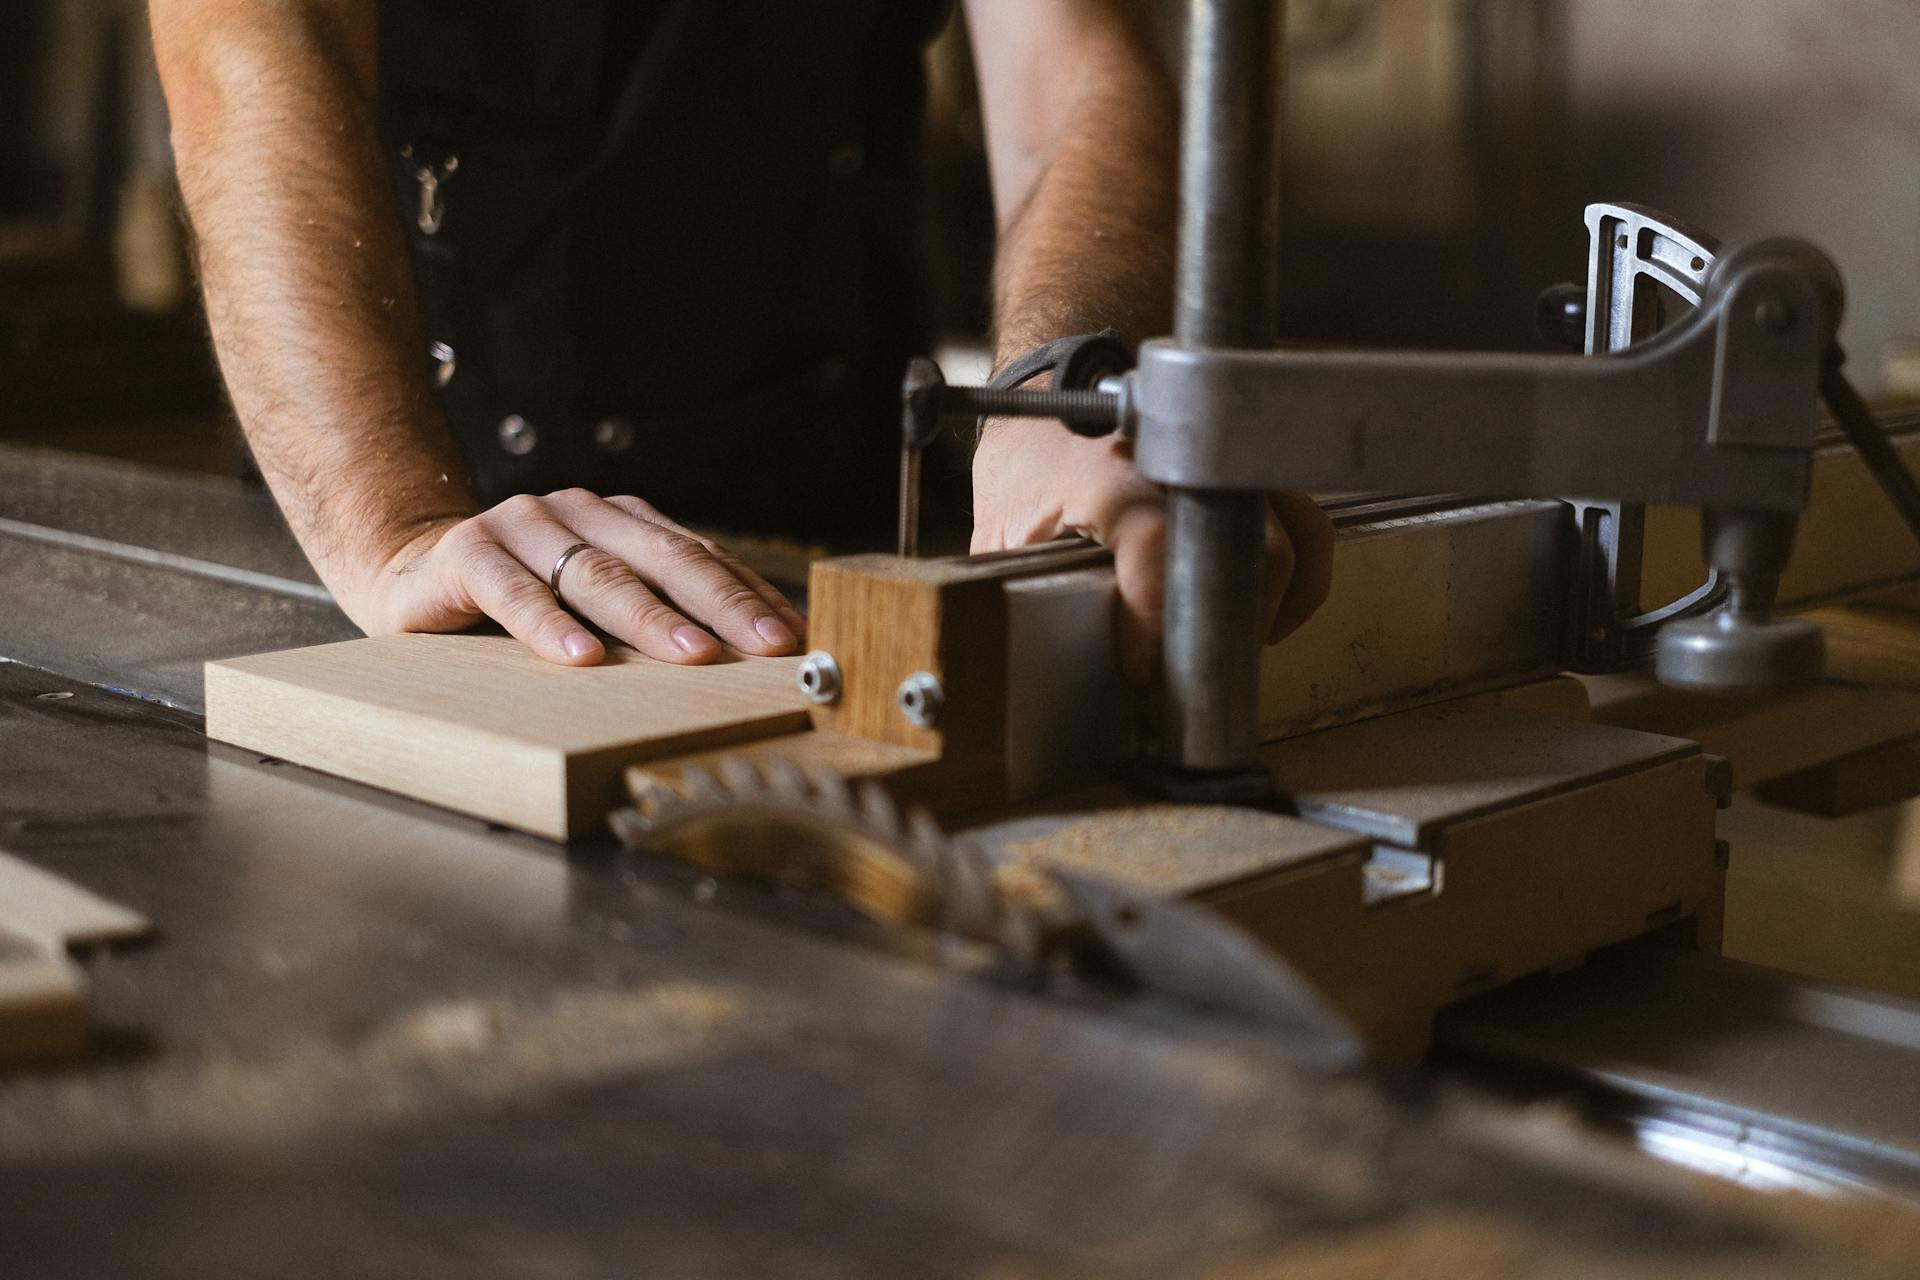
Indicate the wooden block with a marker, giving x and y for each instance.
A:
(479, 724)
(1766, 733)
(1020, 643)
(1520, 851)
(59, 916)
(1855, 783)
(1440, 852)
(43, 995)
(43, 1003)
(1423, 609)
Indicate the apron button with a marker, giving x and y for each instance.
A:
(517, 435)
(613, 435)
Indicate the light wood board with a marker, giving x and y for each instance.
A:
(43, 994)
(477, 723)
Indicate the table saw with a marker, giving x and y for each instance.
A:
(370, 1032)
(1392, 950)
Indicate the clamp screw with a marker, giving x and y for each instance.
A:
(920, 698)
(1774, 315)
(820, 678)
(928, 400)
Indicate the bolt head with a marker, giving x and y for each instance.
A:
(920, 698)
(820, 678)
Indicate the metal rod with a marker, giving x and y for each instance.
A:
(1225, 297)
(1086, 408)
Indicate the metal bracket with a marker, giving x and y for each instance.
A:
(1627, 245)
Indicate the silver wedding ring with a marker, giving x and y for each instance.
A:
(560, 565)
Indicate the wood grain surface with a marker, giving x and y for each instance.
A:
(479, 724)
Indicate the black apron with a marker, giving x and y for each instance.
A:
(668, 247)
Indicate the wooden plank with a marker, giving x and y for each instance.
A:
(57, 915)
(43, 995)
(1766, 733)
(477, 723)
(43, 1002)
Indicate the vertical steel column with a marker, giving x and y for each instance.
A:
(1229, 225)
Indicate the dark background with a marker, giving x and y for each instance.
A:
(1437, 157)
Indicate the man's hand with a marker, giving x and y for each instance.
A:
(1035, 481)
(644, 580)
(1081, 123)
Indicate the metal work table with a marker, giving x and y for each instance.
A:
(375, 1039)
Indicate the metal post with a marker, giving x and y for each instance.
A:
(1229, 225)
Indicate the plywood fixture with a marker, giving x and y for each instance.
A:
(1020, 643)
(478, 724)
(1438, 852)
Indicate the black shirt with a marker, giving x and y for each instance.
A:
(675, 248)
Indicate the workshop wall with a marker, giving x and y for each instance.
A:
(1440, 153)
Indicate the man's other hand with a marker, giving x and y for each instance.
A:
(1035, 481)
(643, 579)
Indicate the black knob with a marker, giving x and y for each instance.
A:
(1560, 316)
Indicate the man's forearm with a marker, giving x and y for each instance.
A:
(1090, 244)
(304, 270)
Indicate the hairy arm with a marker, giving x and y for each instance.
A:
(1082, 129)
(305, 275)
(314, 317)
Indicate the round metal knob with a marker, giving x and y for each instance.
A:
(1722, 651)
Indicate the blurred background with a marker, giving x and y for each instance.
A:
(1437, 157)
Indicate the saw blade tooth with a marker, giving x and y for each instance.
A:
(700, 786)
(879, 812)
(976, 902)
(786, 780)
(923, 830)
(833, 794)
(630, 826)
(654, 799)
(741, 778)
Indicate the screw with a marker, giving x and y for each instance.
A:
(928, 400)
(920, 697)
(1774, 315)
(820, 678)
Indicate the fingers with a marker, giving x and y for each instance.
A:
(1309, 533)
(502, 588)
(1279, 571)
(597, 584)
(1137, 536)
(711, 585)
(772, 595)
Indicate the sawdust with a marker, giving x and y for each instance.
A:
(1465, 1245)
(1154, 845)
(436, 1058)
(1882, 1234)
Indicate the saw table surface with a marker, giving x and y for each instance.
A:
(373, 1038)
